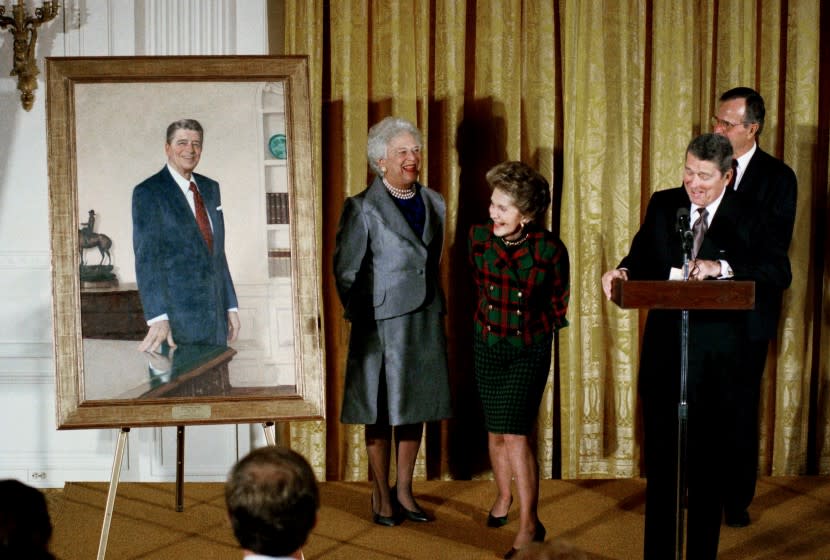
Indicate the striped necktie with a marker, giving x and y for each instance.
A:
(699, 228)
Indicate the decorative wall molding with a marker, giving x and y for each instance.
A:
(186, 27)
(24, 261)
(38, 356)
(54, 468)
(98, 27)
(47, 378)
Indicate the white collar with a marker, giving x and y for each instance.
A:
(711, 208)
(184, 184)
(743, 162)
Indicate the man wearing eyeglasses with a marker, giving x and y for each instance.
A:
(769, 184)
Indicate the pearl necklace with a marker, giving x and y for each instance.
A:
(519, 241)
(399, 193)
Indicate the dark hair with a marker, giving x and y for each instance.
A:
(527, 187)
(712, 147)
(272, 500)
(184, 124)
(755, 109)
(25, 527)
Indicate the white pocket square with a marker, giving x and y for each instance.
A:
(218, 208)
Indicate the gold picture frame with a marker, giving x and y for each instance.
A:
(104, 114)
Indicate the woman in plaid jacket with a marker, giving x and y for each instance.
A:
(522, 277)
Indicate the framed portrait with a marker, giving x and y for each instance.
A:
(108, 131)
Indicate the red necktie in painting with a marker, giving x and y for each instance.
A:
(202, 217)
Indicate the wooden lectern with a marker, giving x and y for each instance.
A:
(675, 294)
(684, 296)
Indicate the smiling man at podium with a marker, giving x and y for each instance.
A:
(720, 243)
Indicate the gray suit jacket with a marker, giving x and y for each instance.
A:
(388, 281)
(381, 267)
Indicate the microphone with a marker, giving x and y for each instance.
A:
(684, 230)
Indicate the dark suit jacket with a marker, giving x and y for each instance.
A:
(714, 376)
(769, 185)
(175, 272)
(733, 235)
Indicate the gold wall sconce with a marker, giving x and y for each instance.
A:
(24, 28)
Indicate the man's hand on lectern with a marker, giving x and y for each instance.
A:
(609, 277)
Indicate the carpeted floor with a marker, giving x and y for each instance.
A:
(791, 520)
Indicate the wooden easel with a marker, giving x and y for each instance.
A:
(270, 438)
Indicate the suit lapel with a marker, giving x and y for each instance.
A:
(387, 212)
(210, 196)
(720, 226)
(214, 220)
(754, 170)
(178, 202)
(680, 199)
(179, 206)
(430, 221)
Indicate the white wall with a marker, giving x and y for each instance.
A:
(31, 449)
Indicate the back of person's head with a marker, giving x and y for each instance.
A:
(272, 500)
(551, 550)
(25, 528)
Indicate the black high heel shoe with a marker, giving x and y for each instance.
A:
(540, 533)
(386, 521)
(538, 536)
(496, 522)
(418, 515)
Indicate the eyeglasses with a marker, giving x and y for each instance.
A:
(726, 125)
(402, 151)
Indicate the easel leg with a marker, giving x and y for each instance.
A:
(179, 468)
(116, 475)
(269, 433)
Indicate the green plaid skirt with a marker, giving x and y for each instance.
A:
(510, 383)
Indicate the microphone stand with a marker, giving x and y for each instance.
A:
(682, 409)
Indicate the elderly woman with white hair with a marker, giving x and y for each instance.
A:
(388, 247)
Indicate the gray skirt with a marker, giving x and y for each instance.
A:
(396, 372)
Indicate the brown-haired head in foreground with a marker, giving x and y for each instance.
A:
(25, 527)
(272, 500)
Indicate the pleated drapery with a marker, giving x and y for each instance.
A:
(602, 98)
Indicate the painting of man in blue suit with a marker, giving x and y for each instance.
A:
(181, 269)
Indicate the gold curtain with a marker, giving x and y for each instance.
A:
(602, 97)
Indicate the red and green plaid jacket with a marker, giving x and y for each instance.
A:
(522, 294)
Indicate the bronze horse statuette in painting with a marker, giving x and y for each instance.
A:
(100, 274)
